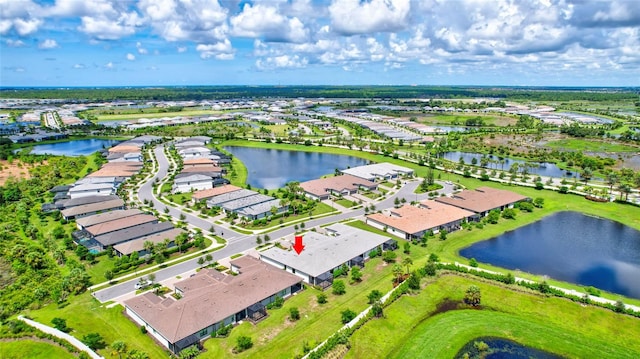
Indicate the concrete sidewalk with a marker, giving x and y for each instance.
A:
(55, 332)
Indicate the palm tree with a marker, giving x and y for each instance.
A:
(119, 347)
(625, 189)
(148, 247)
(612, 179)
(397, 272)
(407, 262)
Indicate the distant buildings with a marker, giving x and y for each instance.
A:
(379, 171)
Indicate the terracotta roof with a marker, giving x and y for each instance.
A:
(212, 192)
(320, 187)
(411, 219)
(209, 298)
(120, 223)
(482, 199)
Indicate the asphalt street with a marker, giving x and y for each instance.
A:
(236, 242)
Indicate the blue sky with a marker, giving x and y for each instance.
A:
(307, 42)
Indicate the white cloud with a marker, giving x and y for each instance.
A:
(282, 62)
(48, 44)
(104, 28)
(15, 43)
(131, 57)
(262, 21)
(221, 50)
(181, 49)
(141, 50)
(109, 65)
(79, 66)
(351, 17)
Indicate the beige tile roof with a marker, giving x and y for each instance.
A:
(411, 219)
(482, 199)
(120, 223)
(93, 207)
(106, 217)
(137, 245)
(320, 187)
(209, 299)
(124, 148)
(201, 168)
(198, 161)
(212, 192)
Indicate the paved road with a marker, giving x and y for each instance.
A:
(236, 242)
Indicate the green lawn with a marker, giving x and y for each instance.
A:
(346, 203)
(25, 348)
(412, 329)
(135, 116)
(277, 337)
(86, 315)
(590, 146)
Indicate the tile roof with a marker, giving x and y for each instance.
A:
(68, 203)
(482, 199)
(120, 223)
(377, 170)
(212, 192)
(93, 207)
(137, 245)
(411, 219)
(130, 233)
(322, 186)
(106, 217)
(209, 298)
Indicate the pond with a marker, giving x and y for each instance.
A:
(571, 247)
(499, 348)
(271, 168)
(73, 148)
(539, 169)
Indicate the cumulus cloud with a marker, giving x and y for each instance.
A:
(141, 50)
(106, 28)
(131, 57)
(48, 44)
(282, 62)
(181, 49)
(221, 50)
(79, 66)
(351, 17)
(264, 21)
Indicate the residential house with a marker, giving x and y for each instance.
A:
(211, 300)
(379, 171)
(321, 189)
(93, 208)
(483, 200)
(192, 182)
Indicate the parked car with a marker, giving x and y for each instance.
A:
(143, 284)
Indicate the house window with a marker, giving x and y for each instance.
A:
(203, 332)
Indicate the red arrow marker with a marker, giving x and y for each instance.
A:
(298, 246)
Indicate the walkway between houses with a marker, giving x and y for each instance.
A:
(62, 335)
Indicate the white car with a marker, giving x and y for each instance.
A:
(143, 284)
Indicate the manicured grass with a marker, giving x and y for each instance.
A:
(590, 145)
(86, 315)
(277, 337)
(346, 203)
(412, 329)
(319, 209)
(180, 198)
(25, 348)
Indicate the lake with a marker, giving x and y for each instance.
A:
(73, 148)
(271, 168)
(571, 247)
(499, 348)
(539, 169)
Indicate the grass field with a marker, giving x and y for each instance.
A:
(22, 349)
(135, 116)
(590, 146)
(412, 329)
(459, 119)
(86, 315)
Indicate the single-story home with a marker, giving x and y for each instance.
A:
(137, 245)
(483, 200)
(323, 253)
(119, 224)
(338, 185)
(192, 182)
(194, 152)
(211, 300)
(131, 233)
(91, 209)
(91, 189)
(379, 171)
(212, 192)
(411, 222)
(88, 221)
